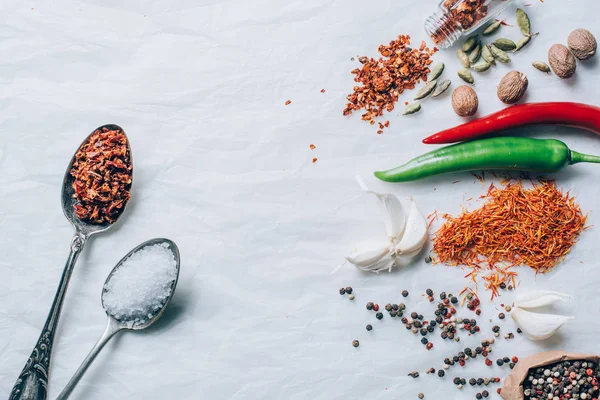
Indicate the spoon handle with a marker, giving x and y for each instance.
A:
(111, 328)
(32, 383)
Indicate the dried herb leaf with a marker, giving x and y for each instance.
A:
(463, 58)
(486, 54)
(481, 66)
(475, 54)
(523, 22)
(499, 54)
(436, 71)
(441, 88)
(465, 75)
(492, 28)
(542, 66)
(426, 90)
(469, 44)
(412, 108)
(505, 44)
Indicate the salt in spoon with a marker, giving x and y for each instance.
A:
(136, 321)
(32, 383)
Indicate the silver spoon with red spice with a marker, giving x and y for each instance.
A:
(95, 193)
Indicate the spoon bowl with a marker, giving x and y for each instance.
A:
(67, 195)
(157, 314)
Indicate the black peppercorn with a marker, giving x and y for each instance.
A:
(478, 396)
(450, 335)
(349, 290)
(379, 315)
(502, 285)
(369, 327)
(456, 381)
(463, 381)
(342, 291)
(432, 323)
(405, 293)
(441, 373)
(395, 307)
(430, 328)
(506, 360)
(370, 306)
(388, 307)
(355, 343)
(417, 324)
(511, 365)
(414, 315)
(485, 393)
(456, 358)
(439, 319)
(473, 331)
(429, 292)
(479, 381)
(501, 315)
(454, 300)
(423, 332)
(472, 381)
(424, 340)
(500, 362)
(393, 313)
(442, 295)
(495, 329)
(478, 350)
(519, 330)
(444, 335)
(437, 312)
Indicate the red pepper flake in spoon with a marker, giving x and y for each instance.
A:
(102, 176)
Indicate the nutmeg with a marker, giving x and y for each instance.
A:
(464, 101)
(512, 87)
(582, 43)
(562, 61)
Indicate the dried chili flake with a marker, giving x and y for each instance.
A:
(460, 12)
(379, 132)
(535, 227)
(312, 147)
(102, 176)
(287, 103)
(322, 90)
(382, 80)
(314, 160)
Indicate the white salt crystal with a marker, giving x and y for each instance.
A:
(141, 285)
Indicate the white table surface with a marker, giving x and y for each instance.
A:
(223, 168)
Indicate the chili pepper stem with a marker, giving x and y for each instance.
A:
(577, 157)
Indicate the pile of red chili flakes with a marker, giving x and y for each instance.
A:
(102, 171)
(382, 81)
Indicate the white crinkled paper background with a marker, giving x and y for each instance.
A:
(224, 169)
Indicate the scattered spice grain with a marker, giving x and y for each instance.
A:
(288, 102)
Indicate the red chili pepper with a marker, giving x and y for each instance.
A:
(560, 113)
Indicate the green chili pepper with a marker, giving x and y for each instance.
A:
(505, 153)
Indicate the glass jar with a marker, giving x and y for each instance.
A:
(461, 17)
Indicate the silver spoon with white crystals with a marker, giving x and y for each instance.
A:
(32, 383)
(135, 295)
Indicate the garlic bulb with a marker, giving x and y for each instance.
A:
(538, 326)
(406, 235)
(539, 298)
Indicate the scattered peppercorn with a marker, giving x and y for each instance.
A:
(424, 340)
(488, 362)
(355, 343)
(405, 293)
(502, 285)
(342, 291)
(414, 374)
(442, 295)
(351, 297)
(429, 346)
(395, 307)
(388, 307)
(441, 373)
(515, 359)
(511, 365)
(421, 396)
(429, 292)
(369, 327)
(349, 290)
(506, 360)
(519, 330)
(375, 307)
(500, 362)
(485, 393)
(495, 328)
(501, 316)
(454, 300)
(472, 381)
(379, 315)
(478, 396)
(370, 306)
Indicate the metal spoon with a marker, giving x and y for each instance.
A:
(115, 325)
(32, 383)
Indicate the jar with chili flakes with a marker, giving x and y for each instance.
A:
(461, 17)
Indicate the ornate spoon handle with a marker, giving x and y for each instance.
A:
(32, 383)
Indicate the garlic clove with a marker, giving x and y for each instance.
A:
(393, 212)
(415, 232)
(539, 298)
(538, 326)
(368, 258)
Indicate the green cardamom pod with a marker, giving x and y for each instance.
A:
(505, 44)
(425, 90)
(492, 28)
(523, 22)
(441, 88)
(469, 44)
(465, 75)
(475, 54)
(486, 54)
(463, 58)
(412, 108)
(522, 43)
(481, 66)
(540, 65)
(436, 71)
(499, 54)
